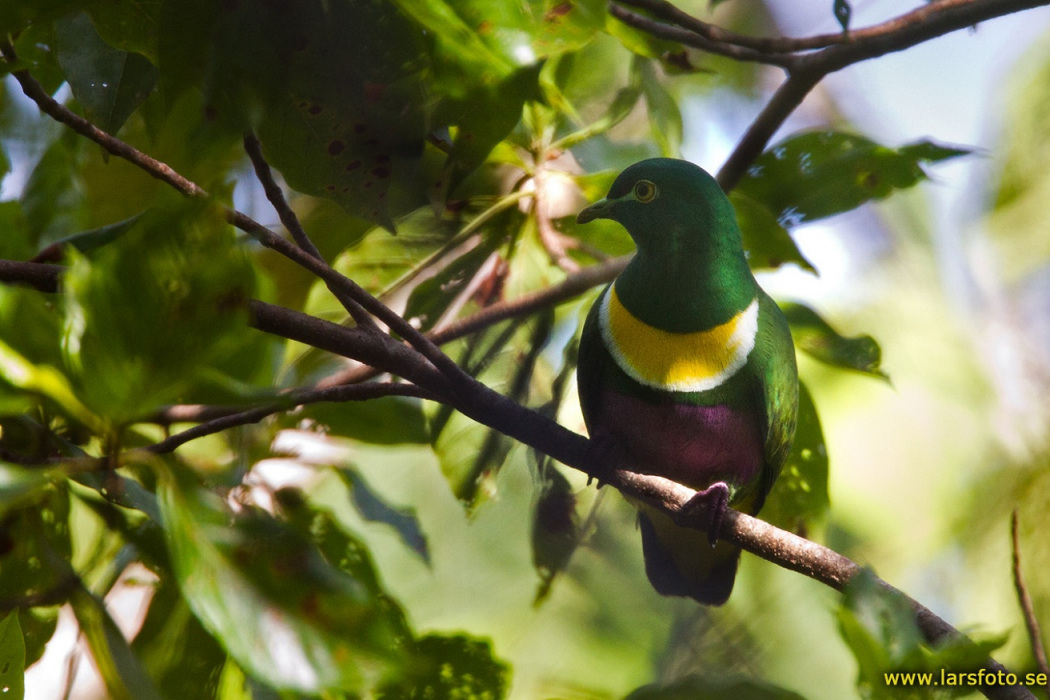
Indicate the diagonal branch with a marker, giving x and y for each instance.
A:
(1035, 635)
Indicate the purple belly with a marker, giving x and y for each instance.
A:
(693, 445)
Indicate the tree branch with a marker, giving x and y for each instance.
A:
(1035, 635)
(339, 394)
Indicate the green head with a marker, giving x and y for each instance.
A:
(690, 269)
(669, 205)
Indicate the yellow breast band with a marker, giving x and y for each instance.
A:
(695, 361)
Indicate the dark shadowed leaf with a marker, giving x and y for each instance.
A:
(697, 688)
(179, 654)
(121, 670)
(432, 297)
(816, 174)
(109, 83)
(813, 335)
(799, 498)
(12, 657)
(87, 240)
(373, 508)
(555, 530)
(390, 420)
(843, 11)
(351, 121)
(288, 617)
(452, 667)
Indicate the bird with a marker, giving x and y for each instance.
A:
(686, 369)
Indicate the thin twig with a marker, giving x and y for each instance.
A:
(339, 394)
(291, 222)
(1035, 635)
(688, 37)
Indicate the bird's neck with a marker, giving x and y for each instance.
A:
(687, 290)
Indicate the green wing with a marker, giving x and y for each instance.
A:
(773, 365)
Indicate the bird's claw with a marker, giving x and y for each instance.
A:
(709, 508)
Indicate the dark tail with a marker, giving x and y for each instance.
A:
(679, 561)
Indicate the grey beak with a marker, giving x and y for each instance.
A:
(598, 210)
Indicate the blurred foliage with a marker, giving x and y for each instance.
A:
(390, 548)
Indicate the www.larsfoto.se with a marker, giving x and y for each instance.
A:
(972, 678)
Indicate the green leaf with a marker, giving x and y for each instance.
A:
(456, 667)
(799, 498)
(768, 244)
(149, 312)
(483, 117)
(109, 83)
(431, 298)
(373, 508)
(349, 121)
(88, 240)
(813, 335)
(843, 11)
(817, 174)
(12, 657)
(390, 420)
(288, 617)
(35, 542)
(665, 118)
(121, 670)
(179, 654)
(706, 688)
(21, 373)
(555, 530)
(53, 200)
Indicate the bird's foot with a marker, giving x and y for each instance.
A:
(709, 507)
(604, 457)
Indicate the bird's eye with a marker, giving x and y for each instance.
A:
(644, 191)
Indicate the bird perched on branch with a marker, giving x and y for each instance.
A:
(687, 369)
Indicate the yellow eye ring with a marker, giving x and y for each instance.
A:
(644, 191)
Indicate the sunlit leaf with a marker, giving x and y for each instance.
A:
(665, 118)
(880, 629)
(768, 244)
(109, 83)
(816, 174)
(813, 335)
(149, 311)
(287, 616)
(799, 498)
